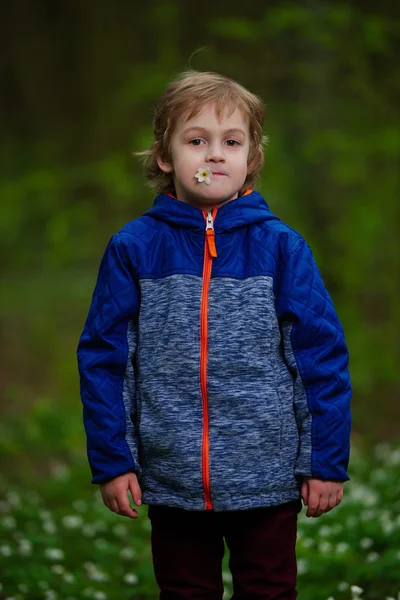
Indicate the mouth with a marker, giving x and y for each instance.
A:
(216, 173)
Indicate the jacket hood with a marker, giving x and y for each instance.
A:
(244, 210)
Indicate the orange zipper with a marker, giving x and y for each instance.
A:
(210, 252)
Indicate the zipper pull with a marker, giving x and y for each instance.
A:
(210, 234)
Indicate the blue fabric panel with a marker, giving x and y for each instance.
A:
(319, 348)
(103, 356)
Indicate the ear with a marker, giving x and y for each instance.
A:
(164, 165)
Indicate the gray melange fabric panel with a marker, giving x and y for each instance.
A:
(128, 395)
(303, 415)
(169, 394)
(253, 432)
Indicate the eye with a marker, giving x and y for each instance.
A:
(229, 142)
(196, 142)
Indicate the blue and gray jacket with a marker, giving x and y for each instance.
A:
(212, 361)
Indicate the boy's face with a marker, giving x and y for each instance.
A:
(220, 146)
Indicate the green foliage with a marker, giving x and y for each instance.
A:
(58, 540)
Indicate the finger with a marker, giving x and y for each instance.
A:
(339, 496)
(125, 509)
(136, 492)
(332, 502)
(323, 503)
(304, 492)
(313, 503)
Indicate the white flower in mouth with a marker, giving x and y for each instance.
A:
(204, 174)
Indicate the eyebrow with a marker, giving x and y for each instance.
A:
(203, 129)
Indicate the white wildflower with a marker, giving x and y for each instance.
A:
(99, 595)
(356, 591)
(368, 514)
(203, 174)
(394, 458)
(54, 553)
(100, 543)
(324, 531)
(5, 550)
(127, 553)
(49, 527)
(343, 586)
(302, 566)
(58, 569)
(25, 547)
(130, 578)
(94, 573)
(325, 546)
(227, 577)
(308, 542)
(69, 577)
(72, 521)
(342, 547)
(388, 527)
(60, 471)
(366, 543)
(9, 522)
(372, 557)
(97, 575)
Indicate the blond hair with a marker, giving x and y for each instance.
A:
(185, 97)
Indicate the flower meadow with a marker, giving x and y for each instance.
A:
(58, 540)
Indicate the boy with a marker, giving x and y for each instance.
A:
(214, 369)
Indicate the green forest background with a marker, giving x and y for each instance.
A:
(79, 83)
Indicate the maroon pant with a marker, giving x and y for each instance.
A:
(188, 547)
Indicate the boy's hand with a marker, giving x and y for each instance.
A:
(320, 495)
(115, 494)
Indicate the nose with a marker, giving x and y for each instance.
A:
(215, 153)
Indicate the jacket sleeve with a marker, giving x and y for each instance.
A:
(315, 350)
(106, 353)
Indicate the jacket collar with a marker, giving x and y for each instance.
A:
(244, 210)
